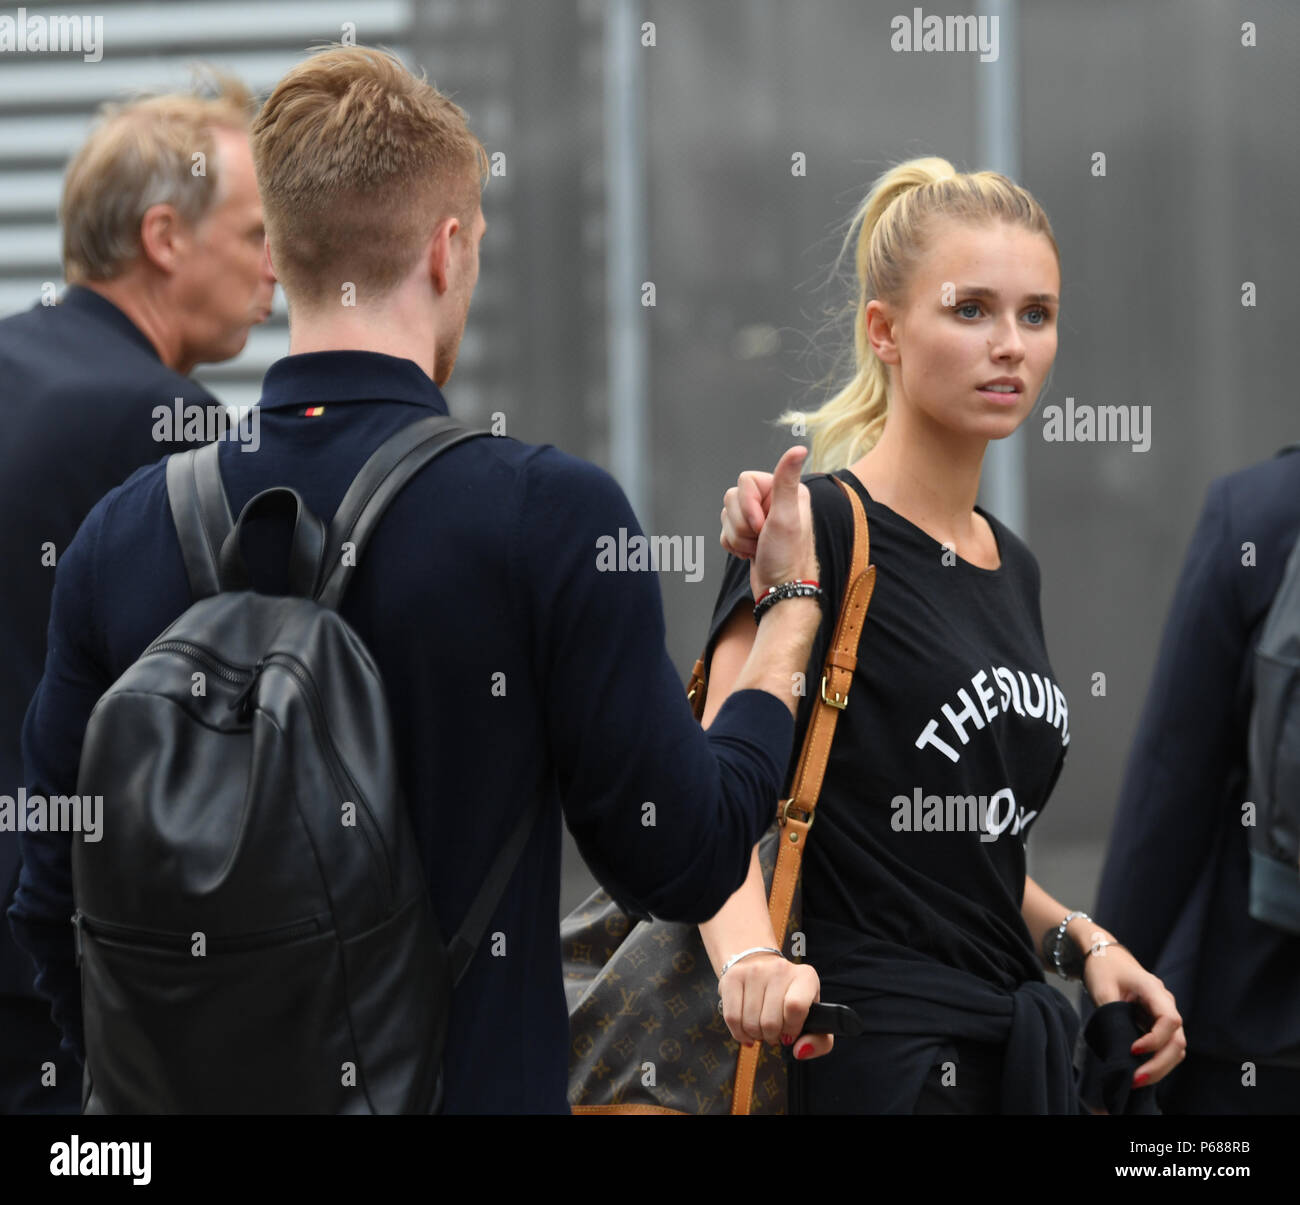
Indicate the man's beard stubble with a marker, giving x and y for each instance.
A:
(444, 358)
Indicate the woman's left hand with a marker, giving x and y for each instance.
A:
(1114, 974)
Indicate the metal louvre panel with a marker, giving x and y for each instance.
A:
(48, 101)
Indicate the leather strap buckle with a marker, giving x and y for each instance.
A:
(806, 818)
(836, 700)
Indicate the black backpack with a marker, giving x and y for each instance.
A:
(253, 927)
(1275, 757)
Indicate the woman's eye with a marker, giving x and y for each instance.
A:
(969, 305)
(1042, 315)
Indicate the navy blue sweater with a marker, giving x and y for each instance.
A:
(485, 564)
(79, 383)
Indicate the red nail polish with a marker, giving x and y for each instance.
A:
(1140, 1079)
(786, 1039)
(802, 1052)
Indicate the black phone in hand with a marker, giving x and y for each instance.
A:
(837, 1019)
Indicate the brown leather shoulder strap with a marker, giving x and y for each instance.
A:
(797, 812)
(695, 688)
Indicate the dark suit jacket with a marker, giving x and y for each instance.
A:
(78, 386)
(1174, 886)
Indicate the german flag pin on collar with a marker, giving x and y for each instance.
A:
(313, 411)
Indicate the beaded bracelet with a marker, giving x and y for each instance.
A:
(1057, 961)
(796, 589)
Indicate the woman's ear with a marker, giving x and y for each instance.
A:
(880, 323)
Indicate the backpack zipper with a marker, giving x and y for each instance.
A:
(236, 675)
(230, 672)
(164, 940)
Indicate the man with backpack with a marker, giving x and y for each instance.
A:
(445, 668)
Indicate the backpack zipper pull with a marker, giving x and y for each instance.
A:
(243, 702)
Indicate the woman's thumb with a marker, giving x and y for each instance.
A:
(785, 480)
(813, 1045)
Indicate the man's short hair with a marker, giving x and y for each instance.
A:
(357, 160)
(152, 151)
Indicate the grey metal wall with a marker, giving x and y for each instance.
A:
(493, 56)
(1199, 196)
(1201, 178)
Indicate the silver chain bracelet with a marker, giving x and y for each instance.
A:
(735, 958)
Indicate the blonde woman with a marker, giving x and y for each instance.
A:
(922, 920)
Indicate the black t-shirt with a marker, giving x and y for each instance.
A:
(953, 697)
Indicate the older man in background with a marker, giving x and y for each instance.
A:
(163, 252)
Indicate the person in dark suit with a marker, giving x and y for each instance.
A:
(1174, 887)
(92, 388)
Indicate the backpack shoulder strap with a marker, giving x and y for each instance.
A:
(201, 514)
(460, 950)
(381, 478)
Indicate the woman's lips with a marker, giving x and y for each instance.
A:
(996, 396)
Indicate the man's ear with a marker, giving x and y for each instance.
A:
(880, 332)
(440, 259)
(266, 251)
(162, 237)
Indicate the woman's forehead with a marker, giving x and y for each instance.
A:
(996, 256)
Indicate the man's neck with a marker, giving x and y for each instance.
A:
(342, 336)
(148, 315)
(401, 327)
